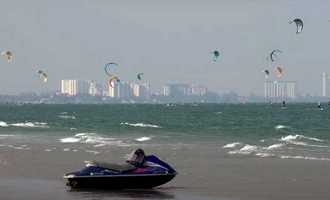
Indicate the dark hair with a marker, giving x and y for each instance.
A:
(139, 152)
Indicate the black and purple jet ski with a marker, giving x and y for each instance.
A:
(152, 173)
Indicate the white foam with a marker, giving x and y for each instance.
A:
(30, 124)
(278, 127)
(70, 140)
(274, 146)
(5, 136)
(66, 149)
(289, 138)
(265, 155)
(142, 139)
(67, 116)
(140, 125)
(93, 152)
(3, 124)
(304, 158)
(22, 147)
(247, 149)
(92, 138)
(232, 145)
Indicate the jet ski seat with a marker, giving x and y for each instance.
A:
(112, 166)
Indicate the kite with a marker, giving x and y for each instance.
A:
(279, 72)
(299, 24)
(112, 79)
(42, 75)
(108, 67)
(8, 55)
(216, 55)
(139, 76)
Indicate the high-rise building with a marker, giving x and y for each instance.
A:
(113, 89)
(324, 84)
(120, 90)
(176, 90)
(198, 90)
(74, 87)
(140, 90)
(280, 89)
(94, 89)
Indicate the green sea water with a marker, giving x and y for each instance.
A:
(244, 128)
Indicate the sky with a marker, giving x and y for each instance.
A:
(169, 41)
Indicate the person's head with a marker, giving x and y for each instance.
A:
(136, 157)
(139, 152)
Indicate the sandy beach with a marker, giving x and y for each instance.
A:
(37, 174)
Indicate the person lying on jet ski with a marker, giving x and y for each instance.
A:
(137, 158)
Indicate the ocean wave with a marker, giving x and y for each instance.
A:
(30, 125)
(93, 138)
(297, 137)
(3, 124)
(278, 127)
(5, 136)
(274, 146)
(93, 152)
(231, 145)
(304, 158)
(140, 125)
(265, 155)
(142, 139)
(67, 116)
(21, 147)
(246, 149)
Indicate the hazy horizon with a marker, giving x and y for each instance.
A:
(167, 41)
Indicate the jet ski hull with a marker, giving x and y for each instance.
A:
(119, 181)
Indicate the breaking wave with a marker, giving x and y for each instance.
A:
(246, 149)
(304, 158)
(279, 127)
(297, 137)
(67, 116)
(285, 144)
(93, 138)
(140, 125)
(142, 139)
(232, 145)
(25, 124)
(302, 140)
(3, 124)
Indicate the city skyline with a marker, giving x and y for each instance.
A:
(169, 42)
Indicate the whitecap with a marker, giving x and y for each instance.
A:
(278, 127)
(297, 137)
(140, 125)
(92, 138)
(304, 158)
(265, 155)
(142, 139)
(3, 124)
(93, 152)
(247, 149)
(70, 140)
(274, 146)
(30, 124)
(67, 116)
(22, 147)
(232, 145)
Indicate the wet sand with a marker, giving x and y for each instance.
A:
(37, 174)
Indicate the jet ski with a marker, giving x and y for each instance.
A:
(152, 173)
